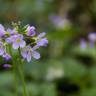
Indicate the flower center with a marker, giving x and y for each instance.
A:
(7, 33)
(18, 40)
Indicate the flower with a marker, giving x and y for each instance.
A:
(60, 22)
(31, 31)
(24, 38)
(28, 53)
(41, 40)
(17, 41)
(2, 30)
(7, 66)
(92, 39)
(91, 44)
(6, 56)
(83, 44)
(92, 36)
(2, 48)
(11, 31)
(9, 39)
(41, 35)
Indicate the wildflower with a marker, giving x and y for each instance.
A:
(91, 44)
(11, 31)
(60, 22)
(9, 39)
(92, 36)
(20, 40)
(28, 53)
(41, 40)
(2, 48)
(7, 66)
(83, 44)
(31, 31)
(41, 35)
(2, 30)
(6, 56)
(17, 41)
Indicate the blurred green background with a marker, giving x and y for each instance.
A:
(65, 69)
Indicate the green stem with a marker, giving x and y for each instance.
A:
(14, 71)
(15, 78)
(23, 81)
(21, 72)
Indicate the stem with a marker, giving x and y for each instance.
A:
(14, 71)
(20, 68)
(15, 79)
(23, 81)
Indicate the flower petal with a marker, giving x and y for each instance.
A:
(9, 40)
(22, 44)
(1, 51)
(92, 43)
(41, 35)
(20, 36)
(29, 57)
(82, 44)
(11, 31)
(31, 31)
(6, 56)
(7, 66)
(36, 55)
(15, 45)
(35, 47)
(42, 42)
(24, 53)
(1, 27)
(92, 36)
(2, 30)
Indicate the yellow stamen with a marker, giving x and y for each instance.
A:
(18, 40)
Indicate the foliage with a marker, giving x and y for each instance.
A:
(65, 69)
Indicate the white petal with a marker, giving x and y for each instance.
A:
(29, 57)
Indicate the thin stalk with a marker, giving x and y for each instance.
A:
(14, 71)
(21, 73)
(15, 78)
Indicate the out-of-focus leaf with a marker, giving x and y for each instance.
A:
(6, 79)
(73, 69)
(88, 92)
(92, 75)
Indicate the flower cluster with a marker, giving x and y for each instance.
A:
(25, 39)
(91, 38)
